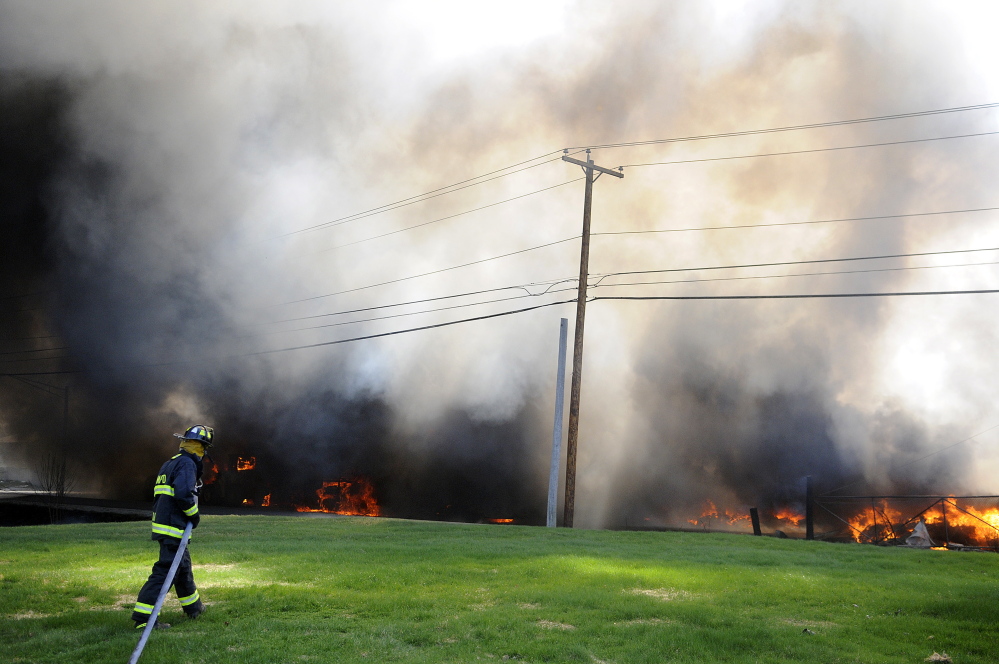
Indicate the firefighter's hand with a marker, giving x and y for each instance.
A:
(195, 520)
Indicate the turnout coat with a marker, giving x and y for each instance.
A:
(175, 496)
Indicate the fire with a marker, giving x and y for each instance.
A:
(789, 515)
(354, 498)
(711, 514)
(979, 526)
(247, 501)
(212, 473)
(963, 523)
(246, 463)
(267, 501)
(500, 520)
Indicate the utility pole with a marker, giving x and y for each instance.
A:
(577, 349)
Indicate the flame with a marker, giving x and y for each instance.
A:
(247, 463)
(979, 527)
(500, 520)
(354, 498)
(212, 473)
(247, 501)
(711, 514)
(267, 501)
(789, 515)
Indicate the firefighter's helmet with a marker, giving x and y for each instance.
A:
(200, 433)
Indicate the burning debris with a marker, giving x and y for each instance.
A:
(712, 517)
(353, 498)
(248, 463)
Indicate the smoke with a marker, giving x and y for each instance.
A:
(160, 160)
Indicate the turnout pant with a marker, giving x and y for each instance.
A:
(183, 583)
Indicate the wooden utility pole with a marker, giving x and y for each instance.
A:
(577, 349)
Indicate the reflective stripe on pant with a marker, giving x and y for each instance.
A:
(183, 582)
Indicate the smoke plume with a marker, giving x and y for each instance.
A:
(167, 169)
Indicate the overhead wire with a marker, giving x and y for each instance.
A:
(599, 277)
(772, 130)
(794, 296)
(450, 216)
(797, 274)
(426, 274)
(604, 275)
(797, 223)
(922, 458)
(594, 285)
(413, 329)
(832, 149)
(412, 200)
(525, 287)
(415, 313)
(480, 179)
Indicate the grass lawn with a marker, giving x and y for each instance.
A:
(383, 590)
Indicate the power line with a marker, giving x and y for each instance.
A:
(814, 125)
(802, 262)
(595, 285)
(40, 373)
(425, 274)
(800, 223)
(794, 296)
(457, 186)
(415, 313)
(782, 276)
(633, 298)
(842, 147)
(922, 458)
(452, 216)
(412, 200)
(525, 287)
(412, 329)
(36, 359)
(34, 350)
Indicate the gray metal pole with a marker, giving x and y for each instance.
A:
(557, 431)
(163, 593)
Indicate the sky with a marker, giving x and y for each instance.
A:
(193, 170)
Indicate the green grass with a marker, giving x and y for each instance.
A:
(382, 590)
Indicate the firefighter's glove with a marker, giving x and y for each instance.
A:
(195, 520)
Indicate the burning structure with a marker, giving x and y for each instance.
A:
(163, 245)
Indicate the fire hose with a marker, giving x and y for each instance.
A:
(167, 583)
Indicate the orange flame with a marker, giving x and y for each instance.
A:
(789, 515)
(247, 501)
(711, 515)
(980, 525)
(267, 501)
(500, 520)
(353, 498)
(247, 463)
(963, 522)
(212, 473)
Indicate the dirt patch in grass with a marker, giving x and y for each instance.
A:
(809, 623)
(551, 624)
(28, 615)
(643, 621)
(664, 594)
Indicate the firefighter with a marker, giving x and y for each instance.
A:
(174, 504)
